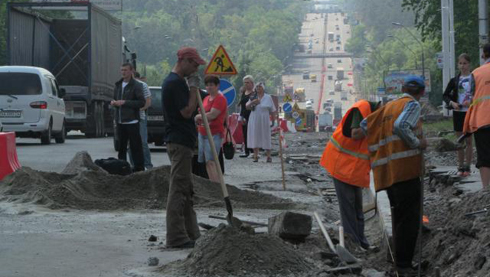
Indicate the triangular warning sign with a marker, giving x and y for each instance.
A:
(287, 98)
(296, 107)
(221, 63)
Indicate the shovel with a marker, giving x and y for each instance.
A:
(344, 254)
(233, 221)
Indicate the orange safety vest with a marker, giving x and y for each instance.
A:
(477, 114)
(347, 159)
(392, 160)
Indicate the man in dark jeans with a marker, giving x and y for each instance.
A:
(128, 100)
(179, 99)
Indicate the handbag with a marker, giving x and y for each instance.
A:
(228, 147)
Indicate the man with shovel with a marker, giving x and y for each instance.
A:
(346, 158)
(394, 137)
(179, 99)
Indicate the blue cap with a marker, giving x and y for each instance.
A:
(414, 81)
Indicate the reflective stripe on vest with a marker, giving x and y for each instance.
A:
(395, 156)
(347, 151)
(385, 141)
(479, 100)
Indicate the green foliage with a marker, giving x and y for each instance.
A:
(258, 34)
(357, 43)
(428, 21)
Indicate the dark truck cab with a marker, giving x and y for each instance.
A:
(155, 117)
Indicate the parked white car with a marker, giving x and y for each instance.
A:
(31, 103)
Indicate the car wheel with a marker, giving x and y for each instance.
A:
(46, 136)
(60, 138)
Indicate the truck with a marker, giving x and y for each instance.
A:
(340, 73)
(325, 122)
(337, 85)
(84, 52)
(330, 36)
(343, 95)
(299, 95)
(337, 111)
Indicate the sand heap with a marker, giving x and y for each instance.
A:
(226, 251)
(88, 187)
(459, 244)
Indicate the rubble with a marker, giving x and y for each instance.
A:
(291, 226)
(225, 251)
(96, 189)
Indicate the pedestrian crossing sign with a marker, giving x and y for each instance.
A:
(221, 63)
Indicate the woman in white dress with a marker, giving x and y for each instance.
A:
(259, 125)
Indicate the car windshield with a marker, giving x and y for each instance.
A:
(14, 83)
(156, 98)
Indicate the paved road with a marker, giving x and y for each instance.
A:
(315, 30)
(54, 157)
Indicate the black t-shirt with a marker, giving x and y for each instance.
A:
(175, 96)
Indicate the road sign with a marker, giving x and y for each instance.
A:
(221, 63)
(440, 60)
(287, 98)
(298, 121)
(287, 107)
(295, 115)
(296, 107)
(228, 91)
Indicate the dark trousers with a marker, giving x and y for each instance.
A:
(405, 203)
(131, 132)
(244, 131)
(181, 217)
(351, 214)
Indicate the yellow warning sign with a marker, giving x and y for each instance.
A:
(221, 63)
(296, 107)
(287, 98)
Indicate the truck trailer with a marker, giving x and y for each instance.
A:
(84, 52)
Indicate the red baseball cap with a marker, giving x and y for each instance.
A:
(190, 53)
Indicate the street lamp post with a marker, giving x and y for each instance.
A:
(416, 39)
(401, 41)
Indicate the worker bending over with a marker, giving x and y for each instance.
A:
(346, 158)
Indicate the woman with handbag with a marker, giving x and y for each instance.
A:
(259, 125)
(215, 106)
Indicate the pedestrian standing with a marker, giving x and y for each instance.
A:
(144, 123)
(259, 125)
(128, 100)
(346, 158)
(477, 121)
(458, 95)
(246, 92)
(394, 135)
(215, 107)
(179, 100)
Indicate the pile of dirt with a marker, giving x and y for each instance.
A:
(90, 189)
(458, 244)
(226, 251)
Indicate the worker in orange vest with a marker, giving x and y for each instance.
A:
(346, 158)
(394, 137)
(477, 120)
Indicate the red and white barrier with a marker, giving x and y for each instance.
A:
(8, 154)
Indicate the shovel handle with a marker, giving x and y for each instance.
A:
(211, 143)
(325, 234)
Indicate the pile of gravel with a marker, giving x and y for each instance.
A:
(226, 251)
(88, 187)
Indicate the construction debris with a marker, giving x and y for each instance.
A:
(225, 251)
(290, 225)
